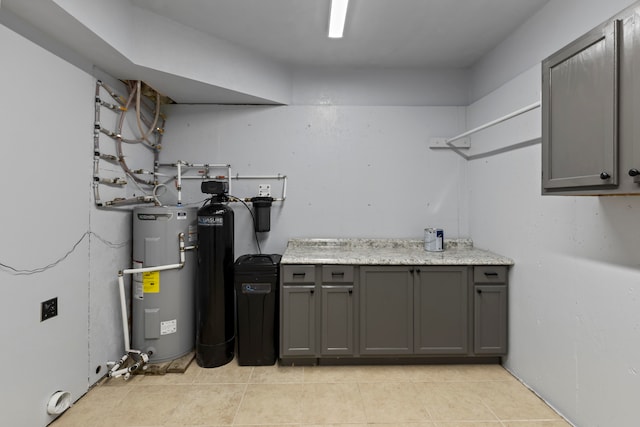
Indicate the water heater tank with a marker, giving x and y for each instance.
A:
(163, 313)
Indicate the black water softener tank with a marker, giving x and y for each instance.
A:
(215, 307)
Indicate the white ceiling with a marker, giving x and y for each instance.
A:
(244, 51)
(378, 33)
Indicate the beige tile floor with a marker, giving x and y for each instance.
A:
(337, 396)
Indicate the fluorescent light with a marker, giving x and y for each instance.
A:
(337, 18)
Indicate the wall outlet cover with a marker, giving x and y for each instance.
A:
(48, 309)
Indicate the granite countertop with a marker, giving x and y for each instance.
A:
(387, 252)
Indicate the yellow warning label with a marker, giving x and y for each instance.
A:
(151, 282)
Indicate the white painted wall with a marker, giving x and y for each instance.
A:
(397, 86)
(46, 118)
(353, 171)
(358, 165)
(554, 26)
(574, 308)
(45, 180)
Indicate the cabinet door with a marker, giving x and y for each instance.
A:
(298, 336)
(490, 319)
(337, 320)
(630, 100)
(386, 310)
(441, 310)
(579, 113)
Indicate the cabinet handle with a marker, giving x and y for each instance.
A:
(491, 274)
(299, 275)
(350, 291)
(418, 270)
(336, 274)
(604, 175)
(634, 172)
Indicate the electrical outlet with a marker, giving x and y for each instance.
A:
(48, 309)
(264, 190)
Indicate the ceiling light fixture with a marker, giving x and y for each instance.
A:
(337, 18)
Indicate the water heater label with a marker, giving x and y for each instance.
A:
(151, 282)
(154, 217)
(169, 327)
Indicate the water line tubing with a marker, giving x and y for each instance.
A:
(141, 358)
(119, 141)
(179, 182)
(143, 107)
(145, 135)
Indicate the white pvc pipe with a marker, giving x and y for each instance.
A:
(123, 312)
(59, 402)
(161, 267)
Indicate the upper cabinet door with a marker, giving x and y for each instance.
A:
(580, 113)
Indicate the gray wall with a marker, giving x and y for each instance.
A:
(45, 176)
(574, 312)
(353, 171)
(46, 117)
(358, 168)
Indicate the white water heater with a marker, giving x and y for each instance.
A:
(163, 302)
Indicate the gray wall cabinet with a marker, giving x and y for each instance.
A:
(580, 138)
(590, 105)
(360, 312)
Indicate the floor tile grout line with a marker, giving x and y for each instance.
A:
(235, 415)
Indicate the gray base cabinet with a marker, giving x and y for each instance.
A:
(490, 321)
(337, 320)
(337, 314)
(299, 317)
(490, 310)
(441, 310)
(298, 311)
(386, 310)
(360, 312)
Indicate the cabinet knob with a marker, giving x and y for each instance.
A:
(479, 291)
(604, 175)
(634, 172)
(311, 291)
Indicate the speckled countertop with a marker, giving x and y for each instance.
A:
(387, 252)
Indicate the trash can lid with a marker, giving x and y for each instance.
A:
(258, 260)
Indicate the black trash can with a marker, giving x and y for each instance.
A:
(256, 281)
